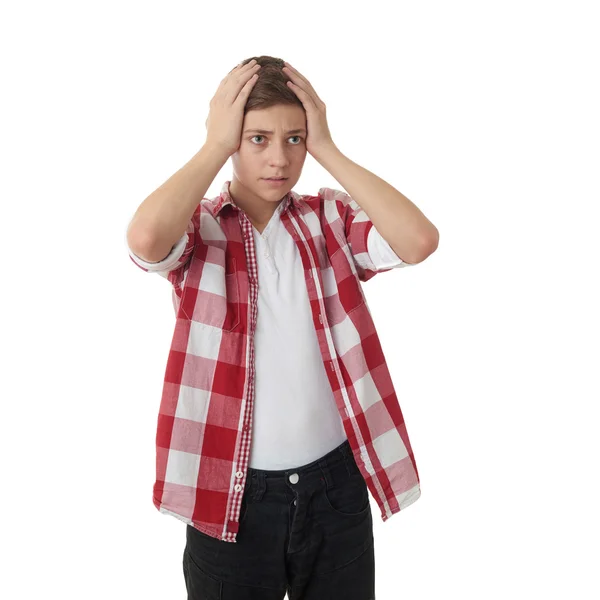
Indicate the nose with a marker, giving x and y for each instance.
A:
(277, 155)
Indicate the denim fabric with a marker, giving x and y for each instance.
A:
(305, 532)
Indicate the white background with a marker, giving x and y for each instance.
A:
(484, 114)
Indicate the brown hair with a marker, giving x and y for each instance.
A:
(271, 87)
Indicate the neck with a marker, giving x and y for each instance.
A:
(257, 210)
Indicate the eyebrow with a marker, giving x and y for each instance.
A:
(266, 131)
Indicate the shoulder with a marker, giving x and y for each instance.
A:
(326, 199)
(333, 194)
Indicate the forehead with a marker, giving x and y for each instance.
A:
(281, 117)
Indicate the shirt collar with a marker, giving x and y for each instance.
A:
(291, 199)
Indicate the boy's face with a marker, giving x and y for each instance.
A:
(263, 155)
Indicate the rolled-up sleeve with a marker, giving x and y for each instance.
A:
(371, 253)
(382, 254)
(173, 265)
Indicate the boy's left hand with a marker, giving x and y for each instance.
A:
(318, 138)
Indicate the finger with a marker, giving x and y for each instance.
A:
(304, 92)
(243, 66)
(302, 82)
(249, 67)
(304, 96)
(294, 72)
(245, 91)
(234, 86)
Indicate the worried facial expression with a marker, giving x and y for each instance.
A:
(273, 144)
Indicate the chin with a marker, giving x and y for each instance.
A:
(284, 186)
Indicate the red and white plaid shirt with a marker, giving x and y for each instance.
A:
(205, 417)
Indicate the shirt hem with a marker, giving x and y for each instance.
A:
(414, 496)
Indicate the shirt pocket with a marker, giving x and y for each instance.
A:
(211, 293)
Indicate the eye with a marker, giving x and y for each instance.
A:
(294, 136)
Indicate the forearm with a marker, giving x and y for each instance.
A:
(396, 218)
(162, 218)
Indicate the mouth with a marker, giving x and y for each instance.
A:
(275, 178)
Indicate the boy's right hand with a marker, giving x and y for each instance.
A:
(226, 115)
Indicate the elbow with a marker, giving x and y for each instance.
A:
(426, 248)
(432, 241)
(142, 244)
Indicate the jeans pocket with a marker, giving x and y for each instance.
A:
(349, 497)
(200, 585)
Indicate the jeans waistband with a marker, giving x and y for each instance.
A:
(336, 465)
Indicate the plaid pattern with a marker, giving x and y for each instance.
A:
(205, 416)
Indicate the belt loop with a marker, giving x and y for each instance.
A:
(326, 473)
(249, 491)
(261, 486)
(346, 452)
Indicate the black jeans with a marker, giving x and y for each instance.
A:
(307, 532)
